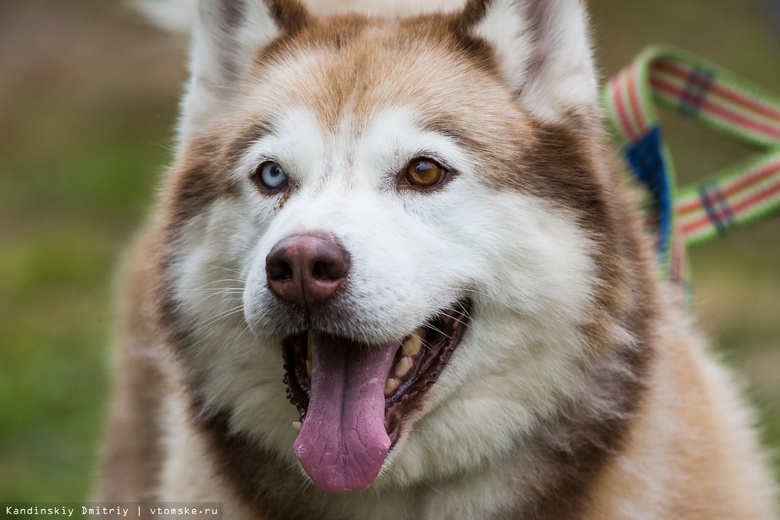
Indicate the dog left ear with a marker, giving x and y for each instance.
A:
(228, 35)
(543, 51)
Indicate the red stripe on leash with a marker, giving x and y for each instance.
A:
(620, 108)
(719, 89)
(771, 191)
(724, 113)
(728, 190)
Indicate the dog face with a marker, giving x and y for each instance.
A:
(394, 232)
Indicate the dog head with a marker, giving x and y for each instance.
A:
(407, 220)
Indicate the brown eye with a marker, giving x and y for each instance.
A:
(425, 173)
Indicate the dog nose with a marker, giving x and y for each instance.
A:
(306, 269)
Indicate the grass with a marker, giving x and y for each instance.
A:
(84, 133)
(78, 166)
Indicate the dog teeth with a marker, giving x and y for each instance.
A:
(403, 366)
(297, 426)
(391, 386)
(412, 345)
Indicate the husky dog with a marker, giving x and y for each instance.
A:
(395, 274)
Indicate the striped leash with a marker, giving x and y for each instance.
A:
(738, 195)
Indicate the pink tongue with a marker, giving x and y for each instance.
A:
(343, 442)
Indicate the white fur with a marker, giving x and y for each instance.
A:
(530, 292)
(398, 241)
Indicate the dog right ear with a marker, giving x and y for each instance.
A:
(227, 36)
(543, 52)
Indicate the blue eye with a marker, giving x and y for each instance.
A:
(271, 175)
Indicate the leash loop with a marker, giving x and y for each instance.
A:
(740, 194)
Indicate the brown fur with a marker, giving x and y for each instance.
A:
(132, 458)
(291, 16)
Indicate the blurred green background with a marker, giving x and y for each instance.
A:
(88, 95)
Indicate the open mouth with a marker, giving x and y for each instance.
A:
(352, 398)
